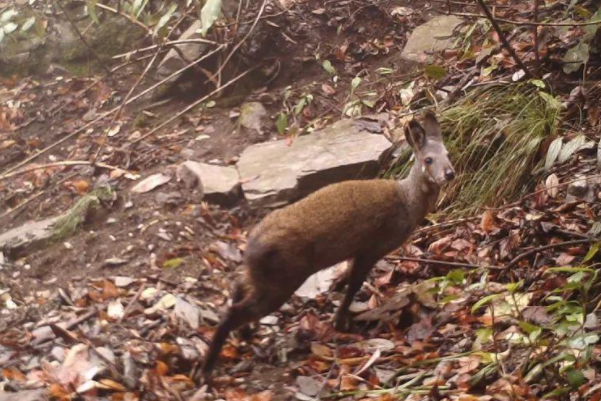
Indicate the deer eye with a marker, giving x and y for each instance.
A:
(429, 160)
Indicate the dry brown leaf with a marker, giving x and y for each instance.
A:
(487, 224)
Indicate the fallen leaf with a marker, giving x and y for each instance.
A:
(151, 182)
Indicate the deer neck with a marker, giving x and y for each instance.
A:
(420, 193)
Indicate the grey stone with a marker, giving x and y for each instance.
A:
(434, 36)
(275, 173)
(251, 116)
(220, 184)
(27, 395)
(28, 236)
(583, 189)
(174, 61)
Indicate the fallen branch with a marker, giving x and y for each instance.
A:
(57, 164)
(523, 255)
(125, 100)
(444, 263)
(527, 23)
(166, 44)
(503, 39)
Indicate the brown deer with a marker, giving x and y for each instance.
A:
(360, 221)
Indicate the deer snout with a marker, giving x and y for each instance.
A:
(449, 174)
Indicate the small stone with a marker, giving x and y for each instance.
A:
(434, 36)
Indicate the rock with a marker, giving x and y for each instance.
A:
(220, 183)
(28, 236)
(27, 395)
(275, 173)
(433, 36)
(251, 115)
(173, 61)
(581, 190)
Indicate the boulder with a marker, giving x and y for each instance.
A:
(174, 61)
(220, 184)
(434, 36)
(278, 172)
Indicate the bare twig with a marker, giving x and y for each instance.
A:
(191, 106)
(528, 23)
(82, 38)
(164, 45)
(523, 255)
(131, 303)
(444, 263)
(235, 49)
(535, 34)
(56, 164)
(503, 39)
(125, 100)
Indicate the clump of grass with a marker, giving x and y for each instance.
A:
(493, 136)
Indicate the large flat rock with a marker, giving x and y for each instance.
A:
(219, 184)
(276, 173)
(434, 36)
(27, 236)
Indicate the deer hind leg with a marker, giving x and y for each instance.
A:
(260, 302)
(359, 269)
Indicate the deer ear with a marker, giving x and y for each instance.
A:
(432, 127)
(415, 135)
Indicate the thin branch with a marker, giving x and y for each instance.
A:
(528, 23)
(503, 39)
(535, 34)
(56, 164)
(82, 38)
(191, 106)
(444, 263)
(125, 100)
(523, 255)
(166, 44)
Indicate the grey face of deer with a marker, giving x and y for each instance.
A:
(430, 152)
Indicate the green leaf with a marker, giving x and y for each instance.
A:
(592, 251)
(567, 269)
(538, 83)
(282, 123)
(384, 71)
(456, 276)
(575, 378)
(553, 152)
(1, 34)
(528, 327)
(571, 147)
(435, 71)
(355, 84)
(91, 7)
(209, 14)
(210, 104)
(576, 57)
(165, 18)
(173, 263)
(298, 108)
(552, 101)
(327, 65)
(513, 287)
(27, 24)
(484, 301)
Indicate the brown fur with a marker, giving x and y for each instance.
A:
(360, 221)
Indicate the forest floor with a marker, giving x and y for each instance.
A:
(498, 305)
